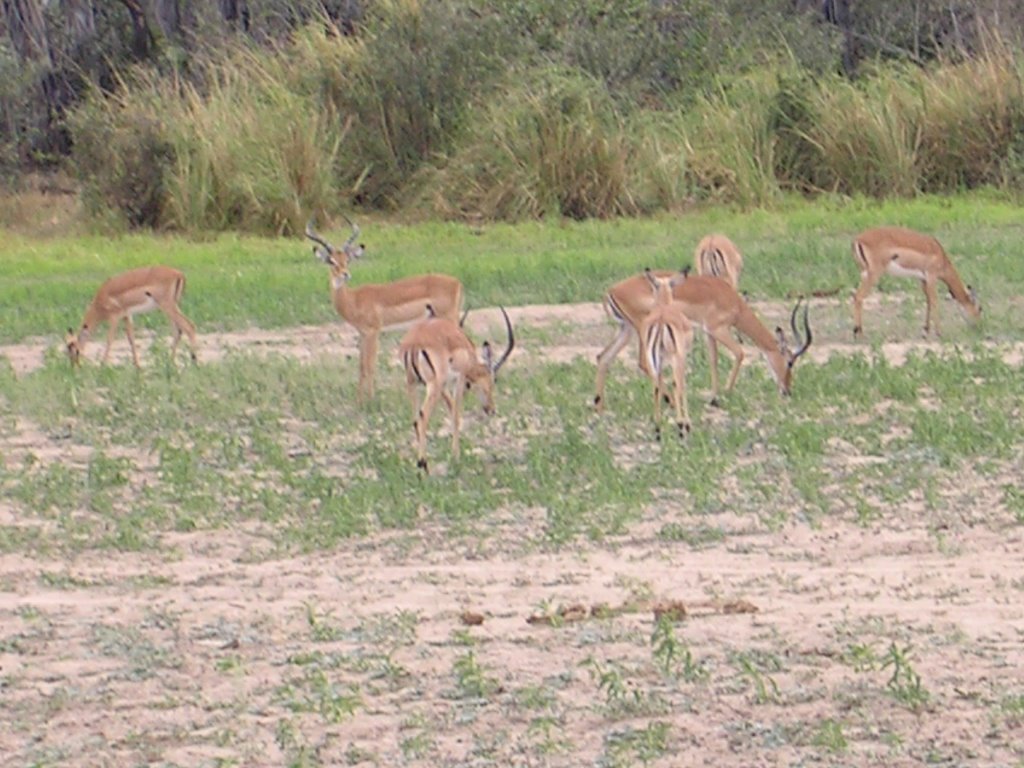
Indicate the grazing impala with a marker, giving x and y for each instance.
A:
(435, 352)
(132, 293)
(905, 253)
(713, 305)
(373, 308)
(666, 336)
(718, 256)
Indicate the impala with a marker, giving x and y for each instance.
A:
(666, 336)
(906, 253)
(132, 293)
(713, 305)
(373, 308)
(718, 256)
(435, 353)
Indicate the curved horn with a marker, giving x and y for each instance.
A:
(315, 237)
(792, 321)
(355, 231)
(804, 343)
(511, 343)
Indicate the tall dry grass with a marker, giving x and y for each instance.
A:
(556, 144)
(413, 115)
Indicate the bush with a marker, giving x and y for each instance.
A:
(553, 144)
(122, 158)
(409, 91)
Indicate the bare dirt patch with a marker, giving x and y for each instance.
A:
(894, 642)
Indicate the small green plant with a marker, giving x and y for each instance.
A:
(904, 683)
(752, 666)
(671, 655)
(320, 627)
(861, 657)
(315, 692)
(829, 735)
(470, 679)
(621, 697)
(549, 730)
(1013, 498)
(634, 746)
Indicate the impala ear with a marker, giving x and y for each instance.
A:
(488, 355)
(780, 338)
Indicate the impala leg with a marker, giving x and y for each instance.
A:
(411, 392)
(368, 345)
(734, 347)
(181, 325)
(606, 358)
(433, 394)
(931, 316)
(868, 281)
(111, 331)
(679, 396)
(129, 331)
(455, 409)
(713, 365)
(656, 384)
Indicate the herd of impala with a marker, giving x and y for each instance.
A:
(659, 308)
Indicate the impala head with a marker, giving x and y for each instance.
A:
(74, 345)
(784, 373)
(336, 258)
(482, 375)
(972, 310)
(662, 286)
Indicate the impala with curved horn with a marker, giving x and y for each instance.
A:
(712, 305)
(905, 253)
(131, 293)
(378, 307)
(437, 353)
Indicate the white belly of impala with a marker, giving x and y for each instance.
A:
(146, 306)
(896, 270)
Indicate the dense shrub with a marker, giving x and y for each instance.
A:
(555, 144)
(408, 93)
(122, 159)
(442, 107)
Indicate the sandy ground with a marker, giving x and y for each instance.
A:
(211, 653)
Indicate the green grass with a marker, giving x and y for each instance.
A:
(239, 281)
(273, 442)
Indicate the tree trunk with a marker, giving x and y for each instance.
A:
(27, 30)
(79, 20)
(168, 18)
(235, 13)
(142, 37)
(838, 12)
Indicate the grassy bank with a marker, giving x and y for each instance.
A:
(237, 282)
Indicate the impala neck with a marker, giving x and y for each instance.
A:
(956, 287)
(748, 324)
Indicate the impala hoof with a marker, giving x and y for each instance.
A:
(715, 403)
(422, 465)
(684, 429)
(657, 432)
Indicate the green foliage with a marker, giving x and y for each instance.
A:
(411, 88)
(123, 159)
(904, 682)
